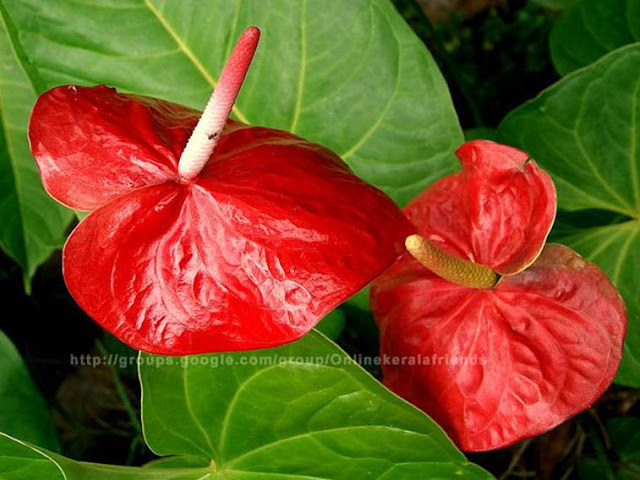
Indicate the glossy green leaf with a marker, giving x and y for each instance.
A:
(33, 225)
(585, 131)
(592, 28)
(301, 411)
(304, 411)
(19, 461)
(23, 412)
(350, 75)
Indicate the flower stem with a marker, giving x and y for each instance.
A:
(205, 136)
(447, 266)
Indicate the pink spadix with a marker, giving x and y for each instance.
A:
(207, 133)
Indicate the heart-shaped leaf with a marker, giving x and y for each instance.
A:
(33, 225)
(591, 29)
(299, 412)
(349, 75)
(585, 132)
(24, 413)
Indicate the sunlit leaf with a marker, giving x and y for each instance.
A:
(350, 75)
(304, 411)
(33, 225)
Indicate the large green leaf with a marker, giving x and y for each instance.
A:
(304, 411)
(301, 411)
(24, 414)
(33, 225)
(350, 75)
(585, 131)
(591, 29)
(21, 461)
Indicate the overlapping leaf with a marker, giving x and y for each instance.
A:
(21, 461)
(591, 29)
(349, 75)
(299, 412)
(303, 410)
(585, 131)
(33, 225)
(24, 413)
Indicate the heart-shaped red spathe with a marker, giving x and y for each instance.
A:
(496, 365)
(273, 234)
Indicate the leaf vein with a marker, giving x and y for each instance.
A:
(188, 52)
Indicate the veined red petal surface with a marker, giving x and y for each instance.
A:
(499, 365)
(496, 212)
(273, 234)
(93, 144)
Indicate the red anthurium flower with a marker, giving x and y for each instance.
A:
(190, 250)
(493, 336)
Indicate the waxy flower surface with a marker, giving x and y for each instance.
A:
(495, 335)
(243, 240)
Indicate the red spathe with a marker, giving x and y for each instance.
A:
(272, 235)
(494, 366)
(496, 212)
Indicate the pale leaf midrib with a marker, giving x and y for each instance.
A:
(197, 423)
(303, 67)
(189, 53)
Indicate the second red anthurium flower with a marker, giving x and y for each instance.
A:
(495, 335)
(243, 239)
